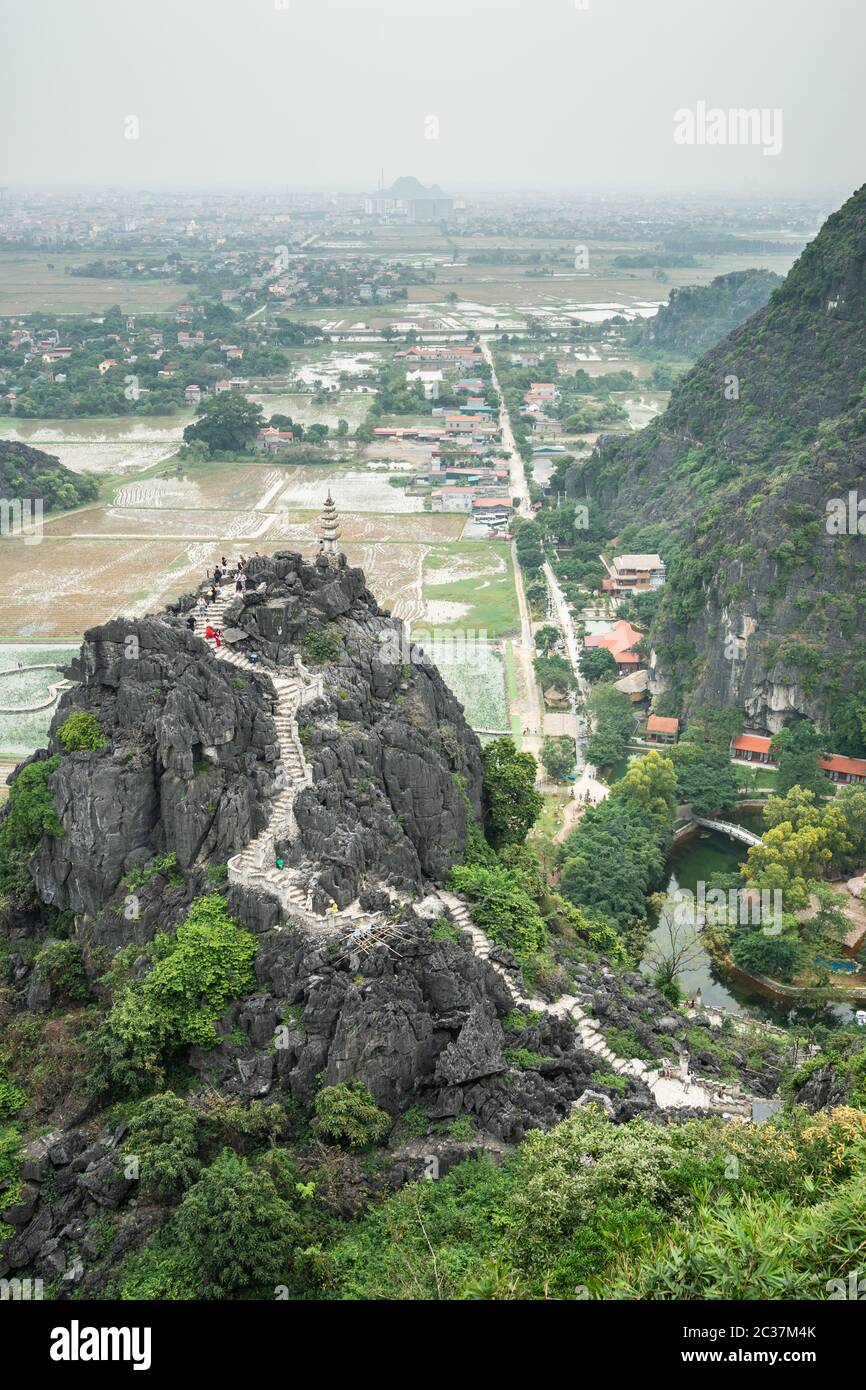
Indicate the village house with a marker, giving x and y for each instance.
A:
(455, 499)
(492, 511)
(662, 730)
(192, 394)
(634, 685)
(619, 642)
(751, 748)
(430, 380)
(543, 391)
(273, 441)
(190, 340)
(107, 365)
(634, 574)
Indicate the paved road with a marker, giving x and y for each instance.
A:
(528, 707)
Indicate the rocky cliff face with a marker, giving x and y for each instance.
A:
(697, 316)
(191, 751)
(762, 607)
(396, 770)
(188, 767)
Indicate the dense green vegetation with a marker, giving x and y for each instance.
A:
(28, 815)
(29, 474)
(196, 971)
(616, 856)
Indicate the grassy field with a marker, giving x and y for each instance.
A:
(35, 281)
(476, 577)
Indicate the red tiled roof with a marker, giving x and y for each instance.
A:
(751, 743)
(658, 724)
(836, 763)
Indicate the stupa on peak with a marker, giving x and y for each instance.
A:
(329, 529)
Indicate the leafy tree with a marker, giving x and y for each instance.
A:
(503, 908)
(775, 956)
(237, 1231)
(546, 639)
(798, 748)
(617, 854)
(597, 664)
(226, 423)
(163, 1137)
(557, 756)
(511, 803)
(613, 720)
(348, 1114)
(705, 777)
(59, 962)
(196, 972)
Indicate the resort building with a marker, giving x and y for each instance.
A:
(662, 730)
(844, 770)
(634, 574)
(751, 748)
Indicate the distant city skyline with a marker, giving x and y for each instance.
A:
(492, 96)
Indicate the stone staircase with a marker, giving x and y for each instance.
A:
(255, 866)
(672, 1090)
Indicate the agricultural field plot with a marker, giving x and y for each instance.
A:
(36, 281)
(240, 486)
(126, 444)
(22, 730)
(477, 678)
(351, 406)
(353, 490)
(142, 523)
(470, 584)
(370, 528)
(65, 585)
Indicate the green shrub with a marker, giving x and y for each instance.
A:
(348, 1114)
(236, 1229)
(322, 644)
(197, 971)
(503, 909)
(81, 731)
(163, 1137)
(524, 1059)
(12, 1098)
(59, 962)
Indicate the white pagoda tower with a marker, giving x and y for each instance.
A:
(329, 530)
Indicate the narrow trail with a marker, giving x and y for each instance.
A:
(255, 866)
(673, 1088)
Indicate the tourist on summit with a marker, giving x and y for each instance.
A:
(190, 622)
(217, 637)
(202, 606)
(217, 574)
(213, 594)
(210, 632)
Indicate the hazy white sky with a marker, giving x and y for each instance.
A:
(527, 93)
